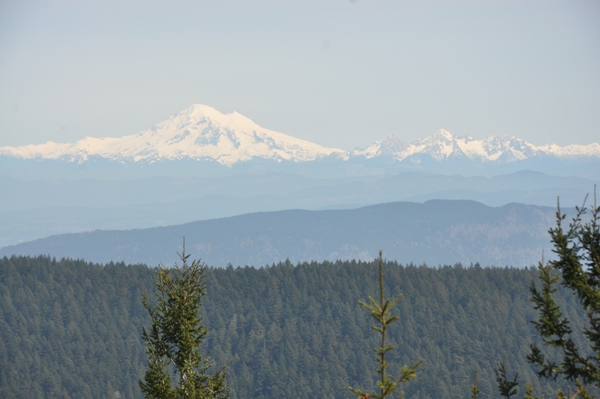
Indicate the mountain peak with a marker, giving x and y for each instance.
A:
(202, 108)
(444, 134)
(201, 132)
(200, 113)
(389, 146)
(198, 132)
(445, 145)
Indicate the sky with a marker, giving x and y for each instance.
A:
(338, 73)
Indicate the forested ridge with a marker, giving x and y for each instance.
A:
(434, 232)
(72, 329)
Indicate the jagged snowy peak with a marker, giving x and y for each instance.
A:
(445, 145)
(203, 133)
(389, 146)
(199, 132)
(441, 145)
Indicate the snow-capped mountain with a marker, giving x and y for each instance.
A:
(444, 145)
(199, 132)
(203, 133)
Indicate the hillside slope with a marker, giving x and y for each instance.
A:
(437, 231)
(73, 329)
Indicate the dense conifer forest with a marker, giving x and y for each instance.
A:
(72, 329)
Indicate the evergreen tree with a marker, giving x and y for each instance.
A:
(578, 269)
(70, 328)
(381, 312)
(475, 388)
(174, 341)
(506, 386)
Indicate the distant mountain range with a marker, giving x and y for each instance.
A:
(435, 232)
(201, 164)
(444, 145)
(32, 209)
(202, 133)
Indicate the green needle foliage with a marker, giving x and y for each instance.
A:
(174, 341)
(381, 312)
(578, 269)
(581, 393)
(506, 386)
(475, 388)
(529, 392)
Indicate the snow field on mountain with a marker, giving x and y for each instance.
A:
(201, 132)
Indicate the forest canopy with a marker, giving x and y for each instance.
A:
(69, 328)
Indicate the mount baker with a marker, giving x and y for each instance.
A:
(202, 133)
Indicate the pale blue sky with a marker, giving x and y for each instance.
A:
(338, 73)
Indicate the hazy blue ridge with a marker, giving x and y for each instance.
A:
(37, 208)
(434, 232)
